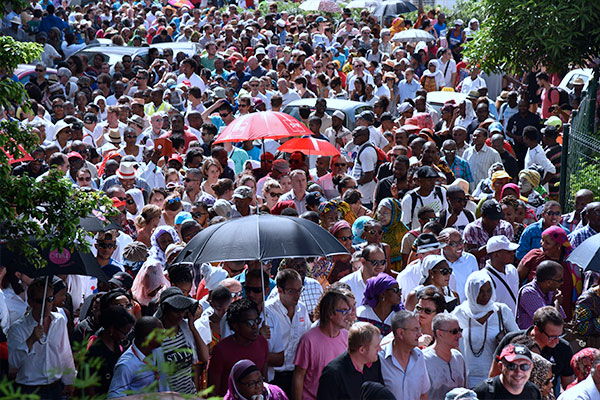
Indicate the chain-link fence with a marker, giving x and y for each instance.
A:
(580, 163)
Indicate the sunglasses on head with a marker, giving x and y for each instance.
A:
(522, 367)
(174, 200)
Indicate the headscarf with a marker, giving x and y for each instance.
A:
(377, 285)
(469, 115)
(397, 26)
(539, 373)
(149, 278)
(341, 207)
(282, 205)
(427, 264)
(421, 119)
(559, 236)
(474, 283)
(532, 176)
(582, 361)
(338, 226)
(156, 252)
(239, 370)
(358, 228)
(138, 199)
(512, 186)
(108, 156)
(394, 231)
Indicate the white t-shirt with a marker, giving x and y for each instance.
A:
(366, 163)
(511, 277)
(433, 201)
(357, 285)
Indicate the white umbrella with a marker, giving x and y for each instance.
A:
(413, 35)
(363, 3)
(321, 5)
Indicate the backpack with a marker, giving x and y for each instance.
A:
(444, 216)
(563, 99)
(381, 158)
(415, 197)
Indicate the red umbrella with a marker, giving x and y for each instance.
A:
(262, 125)
(181, 3)
(311, 146)
(15, 158)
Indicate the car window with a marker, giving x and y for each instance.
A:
(27, 77)
(575, 76)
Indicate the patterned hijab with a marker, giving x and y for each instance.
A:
(539, 373)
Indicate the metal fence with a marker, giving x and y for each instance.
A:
(580, 161)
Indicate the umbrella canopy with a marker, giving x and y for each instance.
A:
(413, 35)
(15, 158)
(97, 222)
(181, 3)
(393, 8)
(262, 125)
(363, 4)
(310, 146)
(67, 261)
(260, 237)
(587, 254)
(321, 5)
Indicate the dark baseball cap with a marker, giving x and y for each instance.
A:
(314, 199)
(122, 280)
(491, 209)
(427, 172)
(90, 118)
(386, 116)
(427, 242)
(367, 116)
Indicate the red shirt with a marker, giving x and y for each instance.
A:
(187, 135)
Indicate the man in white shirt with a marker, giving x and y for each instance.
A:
(41, 354)
(504, 275)
(426, 194)
(364, 164)
(535, 154)
(588, 389)
(367, 119)
(373, 262)
(298, 192)
(360, 65)
(288, 95)
(402, 362)
(427, 244)
(447, 66)
(461, 262)
(473, 82)
(187, 68)
(293, 319)
(69, 47)
(480, 157)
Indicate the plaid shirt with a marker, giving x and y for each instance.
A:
(460, 168)
(569, 221)
(475, 234)
(530, 299)
(580, 235)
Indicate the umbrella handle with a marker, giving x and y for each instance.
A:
(43, 341)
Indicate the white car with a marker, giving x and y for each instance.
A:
(439, 98)
(583, 73)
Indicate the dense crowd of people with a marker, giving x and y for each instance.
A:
(456, 283)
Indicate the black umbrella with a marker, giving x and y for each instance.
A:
(394, 8)
(261, 237)
(97, 222)
(65, 262)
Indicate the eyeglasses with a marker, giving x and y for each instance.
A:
(454, 331)
(198, 214)
(38, 160)
(253, 289)
(252, 322)
(427, 311)
(457, 243)
(340, 164)
(344, 311)
(49, 300)
(256, 383)
(444, 271)
(84, 179)
(552, 337)
(191, 180)
(375, 232)
(346, 238)
(553, 213)
(174, 200)
(377, 262)
(106, 245)
(522, 367)
(275, 194)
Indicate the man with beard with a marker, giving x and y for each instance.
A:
(395, 185)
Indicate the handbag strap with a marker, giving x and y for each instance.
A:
(495, 273)
(500, 320)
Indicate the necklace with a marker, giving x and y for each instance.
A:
(480, 351)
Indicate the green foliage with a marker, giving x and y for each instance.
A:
(586, 176)
(465, 10)
(520, 34)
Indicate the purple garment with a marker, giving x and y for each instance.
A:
(377, 285)
(531, 298)
(270, 392)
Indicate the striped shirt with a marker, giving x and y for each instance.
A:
(179, 355)
(480, 162)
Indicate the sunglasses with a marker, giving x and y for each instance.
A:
(427, 311)
(106, 245)
(224, 115)
(174, 200)
(199, 214)
(454, 331)
(252, 289)
(375, 232)
(49, 300)
(86, 179)
(188, 180)
(522, 367)
(456, 244)
(236, 294)
(273, 194)
(340, 164)
(378, 262)
(346, 238)
(252, 322)
(445, 271)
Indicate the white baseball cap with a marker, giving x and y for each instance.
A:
(500, 242)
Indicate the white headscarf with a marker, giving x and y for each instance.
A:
(138, 198)
(469, 115)
(474, 283)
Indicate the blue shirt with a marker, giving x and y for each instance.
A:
(531, 238)
(52, 21)
(408, 90)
